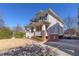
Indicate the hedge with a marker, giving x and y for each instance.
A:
(18, 34)
(5, 33)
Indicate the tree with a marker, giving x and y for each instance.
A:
(26, 27)
(69, 22)
(1, 22)
(18, 32)
(18, 28)
(5, 33)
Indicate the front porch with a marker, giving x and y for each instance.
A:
(36, 28)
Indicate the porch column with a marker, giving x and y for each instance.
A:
(44, 32)
(43, 27)
(30, 33)
(34, 31)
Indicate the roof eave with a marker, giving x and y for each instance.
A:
(56, 16)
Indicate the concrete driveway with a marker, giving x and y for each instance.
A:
(68, 46)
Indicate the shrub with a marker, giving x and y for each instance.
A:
(5, 33)
(19, 34)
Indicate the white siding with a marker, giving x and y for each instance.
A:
(51, 19)
(54, 26)
(60, 24)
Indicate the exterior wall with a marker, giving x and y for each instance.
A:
(53, 37)
(55, 27)
(51, 19)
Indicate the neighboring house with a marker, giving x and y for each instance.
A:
(46, 20)
(70, 33)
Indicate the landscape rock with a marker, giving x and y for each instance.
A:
(30, 50)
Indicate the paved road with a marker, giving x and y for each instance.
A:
(69, 46)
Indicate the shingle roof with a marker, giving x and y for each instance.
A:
(48, 11)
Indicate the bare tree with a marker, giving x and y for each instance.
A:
(18, 28)
(70, 22)
(70, 25)
(2, 24)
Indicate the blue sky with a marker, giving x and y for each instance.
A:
(21, 14)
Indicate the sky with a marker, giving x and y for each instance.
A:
(21, 13)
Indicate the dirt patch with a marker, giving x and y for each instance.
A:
(12, 43)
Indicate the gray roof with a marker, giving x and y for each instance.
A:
(48, 11)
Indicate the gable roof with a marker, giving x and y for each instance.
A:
(52, 13)
(48, 11)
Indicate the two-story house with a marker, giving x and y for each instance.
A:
(46, 20)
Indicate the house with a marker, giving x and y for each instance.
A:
(46, 20)
(70, 33)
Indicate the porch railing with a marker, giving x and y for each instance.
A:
(37, 33)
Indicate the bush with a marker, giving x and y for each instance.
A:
(5, 33)
(19, 34)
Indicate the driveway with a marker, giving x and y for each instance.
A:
(68, 46)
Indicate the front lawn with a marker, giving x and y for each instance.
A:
(12, 43)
